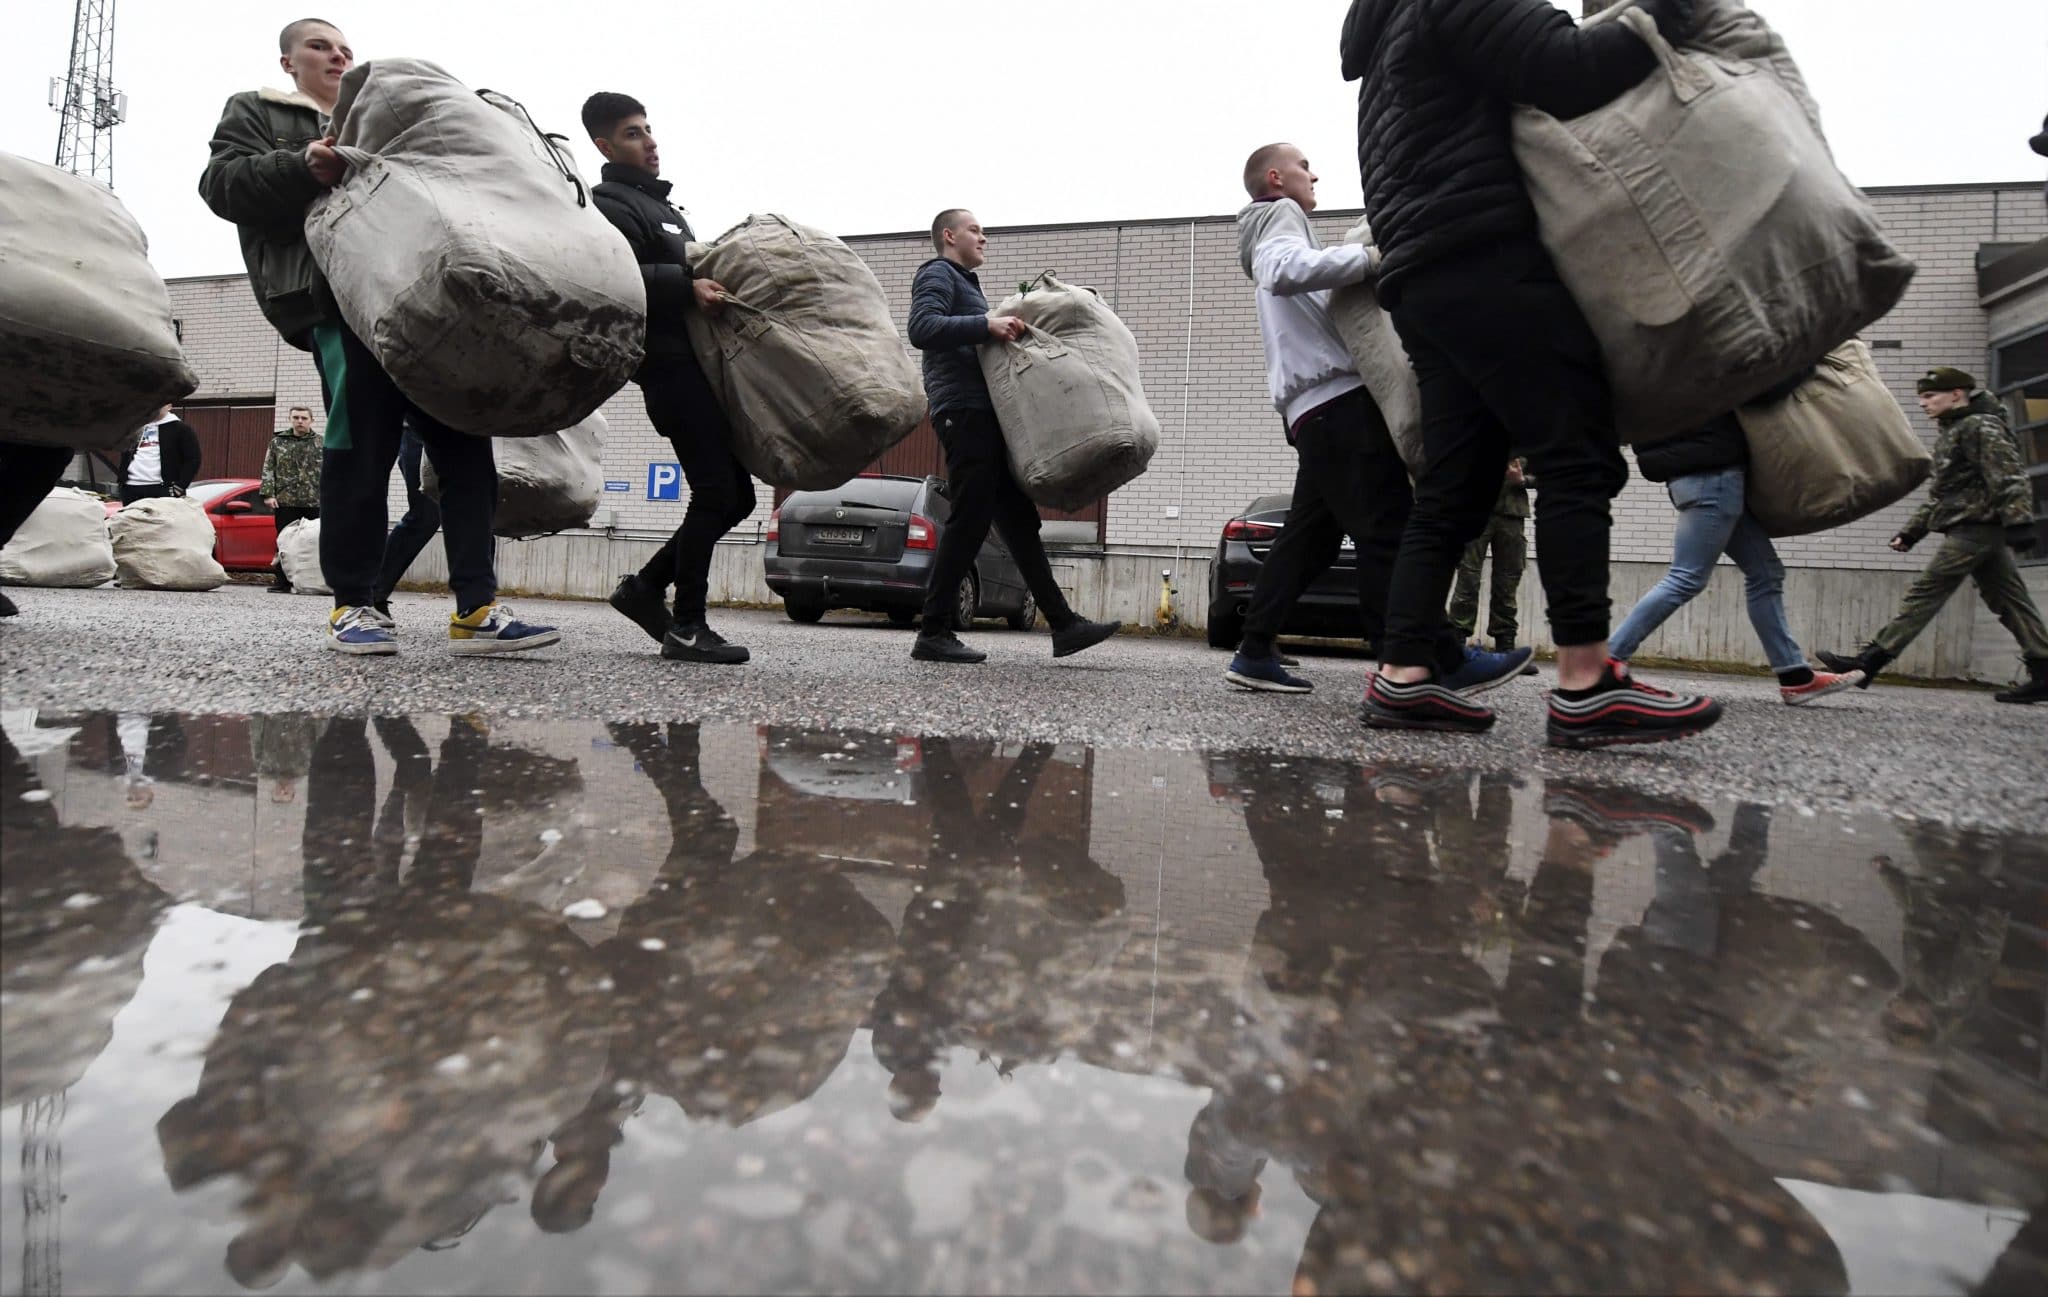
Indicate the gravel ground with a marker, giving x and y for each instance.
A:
(1951, 755)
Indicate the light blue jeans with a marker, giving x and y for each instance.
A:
(1711, 522)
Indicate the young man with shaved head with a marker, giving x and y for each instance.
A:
(1351, 480)
(272, 155)
(949, 319)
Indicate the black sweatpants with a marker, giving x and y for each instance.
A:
(27, 476)
(284, 516)
(1507, 365)
(1350, 482)
(422, 519)
(984, 493)
(684, 409)
(366, 418)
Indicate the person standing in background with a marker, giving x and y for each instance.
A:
(1507, 536)
(164, 461)
(291, 481)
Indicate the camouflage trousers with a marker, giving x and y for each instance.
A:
(1969, 552)
(1504, 536)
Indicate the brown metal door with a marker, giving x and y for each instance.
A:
(232, 438)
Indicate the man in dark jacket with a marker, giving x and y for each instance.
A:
(1504, 356)
(163, 461)
(270, 157)
(680, 402)
(949, 318)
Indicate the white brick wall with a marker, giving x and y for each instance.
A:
(1178, 286)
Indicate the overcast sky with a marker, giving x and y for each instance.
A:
(865, 116)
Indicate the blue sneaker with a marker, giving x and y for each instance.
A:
(359, 631)
(1266, 675)
(493, 629)
(1481, 670)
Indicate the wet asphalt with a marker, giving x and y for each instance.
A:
(1949, 755)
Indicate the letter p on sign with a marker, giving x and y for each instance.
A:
(664, 481)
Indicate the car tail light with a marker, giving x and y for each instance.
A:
(1239, 529)
(909, 755)
(922, 534)
(775, 526)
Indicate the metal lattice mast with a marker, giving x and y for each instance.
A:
(85, 96)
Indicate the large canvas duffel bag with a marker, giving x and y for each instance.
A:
(1838, 449)
(63, 543)
(164, 544)
(298, 553)
(464, 250)
(1368, 333)
(88, 352)
(545, 484)
(805, 358)
(1703, 227)
(1068, 395)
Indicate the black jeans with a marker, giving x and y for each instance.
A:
(1507, 365)
(27, 475)
(684, 409)
(422, 519)
(366, 416)
(1350, 482)
(285, 516)
(145, 491)
(983, 492)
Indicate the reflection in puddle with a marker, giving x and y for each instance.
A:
(428, 1003)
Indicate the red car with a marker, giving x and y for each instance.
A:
(244, 528)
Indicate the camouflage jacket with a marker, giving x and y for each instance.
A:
(1978, 474)
(291, 469)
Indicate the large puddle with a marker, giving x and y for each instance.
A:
(430, 1004)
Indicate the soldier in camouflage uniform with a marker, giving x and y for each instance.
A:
(291, 481)
(1978, 499)
(1506, 535)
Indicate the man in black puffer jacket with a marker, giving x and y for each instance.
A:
(680, 402)
(1504, 355)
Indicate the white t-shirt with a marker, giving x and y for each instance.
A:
(147, 468)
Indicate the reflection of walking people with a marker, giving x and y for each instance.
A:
(291, 481)
(949, 319)
(1506, 538)
(1980, 501)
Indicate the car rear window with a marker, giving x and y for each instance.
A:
(869, 493)
(1269, 504)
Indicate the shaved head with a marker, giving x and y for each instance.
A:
(946, 220)
(1263, 160)
(293, 31)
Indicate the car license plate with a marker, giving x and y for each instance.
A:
(839, 535)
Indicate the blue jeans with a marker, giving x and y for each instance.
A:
(1711, 522)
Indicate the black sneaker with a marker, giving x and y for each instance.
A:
(1621, 709)
(1870, 661)
(1615, 813)
(7, 608)
(278, 587)
(645, 606)
(2035, 690)
(944, 646)
(1076, 636)
(700, 643)
(1427, 705)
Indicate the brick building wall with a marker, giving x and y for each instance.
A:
(1178, 285)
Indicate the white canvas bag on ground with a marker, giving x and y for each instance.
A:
(164, 544)
(1368, 333)
(1838, 449)
(1703, 227)
(545, 484)
(805, 358)
(63, 543)
(298, 553)
(1068, 396)
(465, 252)
(87, 348)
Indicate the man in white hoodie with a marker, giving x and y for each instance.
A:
(1350, 478)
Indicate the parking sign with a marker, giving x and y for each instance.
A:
(664, 481)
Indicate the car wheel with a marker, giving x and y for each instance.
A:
(902, 617)
(1026, 617)
(1226, 632)
(804, 611)
(966, 602)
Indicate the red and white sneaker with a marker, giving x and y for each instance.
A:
(1822, 684)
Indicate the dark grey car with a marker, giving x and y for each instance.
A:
(869, 544)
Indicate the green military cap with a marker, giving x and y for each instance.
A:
(1946, 378)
